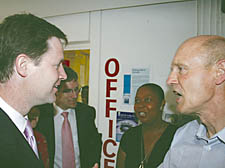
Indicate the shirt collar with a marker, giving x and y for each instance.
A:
(201, 134)
(58, 110)
(18, 119)
(221, 135)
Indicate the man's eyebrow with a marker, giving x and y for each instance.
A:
(178, 64)
(61, 61)
(67, 89)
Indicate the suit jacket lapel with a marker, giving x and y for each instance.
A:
(22, 147)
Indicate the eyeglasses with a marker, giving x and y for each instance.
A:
(76, 90)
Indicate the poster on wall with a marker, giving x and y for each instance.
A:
(124, 121)
(140, 76)
(132, 81)
(66, 62)
(126, 88)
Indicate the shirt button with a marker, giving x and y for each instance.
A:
(208, 148)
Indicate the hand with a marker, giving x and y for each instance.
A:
(95, 166)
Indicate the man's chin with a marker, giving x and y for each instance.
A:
(51, 99)
(182, 110)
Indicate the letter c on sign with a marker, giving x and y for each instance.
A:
(105, 148)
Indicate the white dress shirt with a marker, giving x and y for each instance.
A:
(58, 121)
(18, 119)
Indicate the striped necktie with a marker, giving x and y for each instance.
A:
(28, 132)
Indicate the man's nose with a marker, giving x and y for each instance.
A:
(62, 73)
(172, 78)
(74, 94)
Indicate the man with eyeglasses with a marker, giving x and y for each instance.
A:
(86, 140)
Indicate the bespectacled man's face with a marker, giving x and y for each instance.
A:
(67, 96)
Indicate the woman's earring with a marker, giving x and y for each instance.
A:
(161, 108)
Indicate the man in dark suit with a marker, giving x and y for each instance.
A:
(86, 139)
(30, 49)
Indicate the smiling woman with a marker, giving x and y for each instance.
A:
(146, 144)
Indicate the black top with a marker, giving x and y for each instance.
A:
(132, 144)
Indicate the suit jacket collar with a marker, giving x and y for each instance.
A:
(17, 142)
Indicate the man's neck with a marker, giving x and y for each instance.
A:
(13, 99)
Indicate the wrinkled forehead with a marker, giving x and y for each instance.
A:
(190, 51)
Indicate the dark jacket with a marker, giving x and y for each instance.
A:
(15, 151)
(89, 139)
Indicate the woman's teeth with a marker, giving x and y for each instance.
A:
(142, 114)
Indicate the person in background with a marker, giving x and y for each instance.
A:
(84, 94)
(33, 117)
(197, 78)
(146, 144)
(87, 143)
(30, 49)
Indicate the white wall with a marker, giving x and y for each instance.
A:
(210, 18)
(44, 8)
(76, 26)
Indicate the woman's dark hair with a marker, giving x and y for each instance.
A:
(156, 89)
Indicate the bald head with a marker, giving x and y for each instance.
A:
(198, 73)
(210, 47)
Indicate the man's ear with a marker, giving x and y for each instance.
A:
(220, 72)
(21, 64)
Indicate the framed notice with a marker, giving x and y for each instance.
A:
(124, 121)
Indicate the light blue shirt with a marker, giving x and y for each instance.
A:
(58, 121)
(191, 148)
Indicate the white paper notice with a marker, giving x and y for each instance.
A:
(140, 76)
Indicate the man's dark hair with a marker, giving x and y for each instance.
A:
(24, 34)
(71, 75)
(84, 91)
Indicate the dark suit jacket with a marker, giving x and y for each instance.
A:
(14, 149)
(89, 139)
